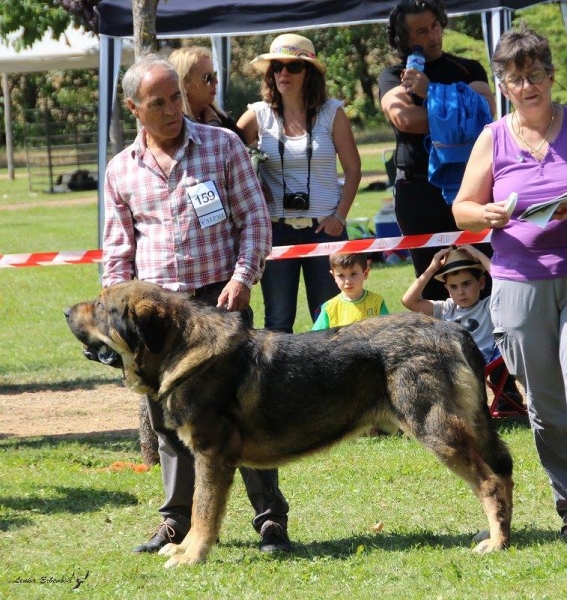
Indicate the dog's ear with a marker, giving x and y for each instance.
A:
(152, 322)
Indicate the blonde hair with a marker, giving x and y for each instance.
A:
(184, 60)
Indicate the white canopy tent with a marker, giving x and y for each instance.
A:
(75, 49)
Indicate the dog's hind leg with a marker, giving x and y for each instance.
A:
(455, 445)
(213, 478)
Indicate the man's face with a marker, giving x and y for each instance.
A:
(425, 30)
(160, 105)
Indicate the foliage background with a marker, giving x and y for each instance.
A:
(354, 57)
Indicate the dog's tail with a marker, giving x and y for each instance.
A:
(471, 386)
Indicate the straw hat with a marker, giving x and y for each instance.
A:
(455, 260)
(289, 45)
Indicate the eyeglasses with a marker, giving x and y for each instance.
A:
(293, 67)
(533, 77)
(208, 78)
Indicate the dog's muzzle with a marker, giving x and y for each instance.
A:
(98, 352)
(104, 355)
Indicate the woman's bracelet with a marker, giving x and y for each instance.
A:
(343, 221)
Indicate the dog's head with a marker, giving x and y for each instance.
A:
(124, 326)
(156, 336)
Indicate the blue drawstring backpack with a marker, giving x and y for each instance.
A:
(457, 114)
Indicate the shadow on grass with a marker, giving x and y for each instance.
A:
(345, 548)
(119, 440)
(60, 386)
(70, 500)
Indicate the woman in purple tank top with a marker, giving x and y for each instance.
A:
(525, 153)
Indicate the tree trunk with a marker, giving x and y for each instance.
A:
(145, 42)
(148, 439)
(366, 81)
(116, 133)
(144, 23)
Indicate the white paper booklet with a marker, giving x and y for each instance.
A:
(540, 213)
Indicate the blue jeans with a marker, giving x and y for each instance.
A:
(280, 282)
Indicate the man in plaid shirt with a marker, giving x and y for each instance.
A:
(184, 210)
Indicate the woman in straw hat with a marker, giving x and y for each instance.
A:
(303, 132)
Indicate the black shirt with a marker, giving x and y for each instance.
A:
(410, 151)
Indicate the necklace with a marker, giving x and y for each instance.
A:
(520, 133)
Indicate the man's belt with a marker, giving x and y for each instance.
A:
(410, 175)
(210, 288)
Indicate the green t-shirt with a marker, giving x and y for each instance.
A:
(342, 311)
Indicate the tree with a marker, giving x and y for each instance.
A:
(34, 19)
(82, 13)
(547, 20)
(144, 14)
(145, 42)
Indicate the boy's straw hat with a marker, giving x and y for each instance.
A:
(289, 45)
(455, 260)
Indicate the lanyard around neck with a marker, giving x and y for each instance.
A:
(308, 150)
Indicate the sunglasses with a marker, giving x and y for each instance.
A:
(534, 77)
(208, 78)
(294, 67)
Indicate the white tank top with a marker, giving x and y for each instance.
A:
(325, 192)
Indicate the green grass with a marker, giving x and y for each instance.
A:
(62, 512)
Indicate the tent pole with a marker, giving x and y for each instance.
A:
(109, 68)
(8, 126)
(221, 62)
(494, 23)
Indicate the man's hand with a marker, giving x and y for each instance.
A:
(415, 82)
(235, 296)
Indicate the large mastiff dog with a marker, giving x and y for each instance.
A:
(258, 398)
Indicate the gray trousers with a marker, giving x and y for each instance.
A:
(530, 327)
(178, 467)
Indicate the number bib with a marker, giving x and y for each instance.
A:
(206, 201)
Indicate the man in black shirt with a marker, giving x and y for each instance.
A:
(420, 206)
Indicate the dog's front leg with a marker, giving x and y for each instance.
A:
(213, 478)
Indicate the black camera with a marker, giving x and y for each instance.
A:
(297, 201)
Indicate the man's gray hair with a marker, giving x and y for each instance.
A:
(135, 73)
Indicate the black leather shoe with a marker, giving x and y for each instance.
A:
(164, 534)
(274, 538)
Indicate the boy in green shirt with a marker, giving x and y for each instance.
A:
(354, 303)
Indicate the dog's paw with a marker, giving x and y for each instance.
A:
(171, 550)
(481, 536)
(485, 544)
(182, 559)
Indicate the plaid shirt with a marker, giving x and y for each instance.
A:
(151, 229)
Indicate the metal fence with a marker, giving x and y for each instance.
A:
(62, 148)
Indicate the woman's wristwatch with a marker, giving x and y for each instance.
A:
(338, 217)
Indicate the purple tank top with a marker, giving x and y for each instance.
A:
(523, 251)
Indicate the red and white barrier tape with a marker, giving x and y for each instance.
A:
(457, 238)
